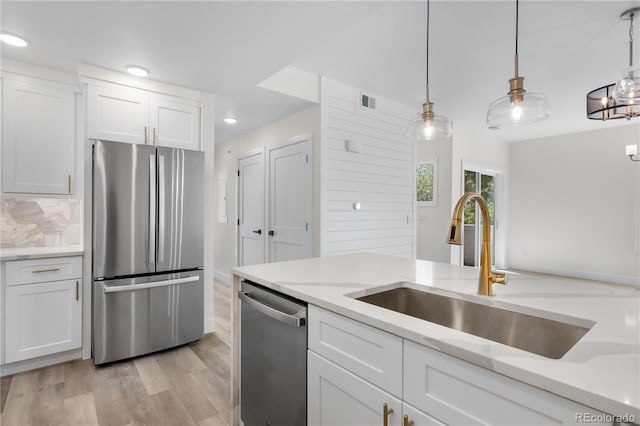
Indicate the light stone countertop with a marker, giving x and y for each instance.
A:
(601, 371)
(23, 253)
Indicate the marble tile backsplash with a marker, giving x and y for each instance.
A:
(40, 222)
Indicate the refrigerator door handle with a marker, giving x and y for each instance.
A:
(152, 284)
(152, 209)
(161, 207)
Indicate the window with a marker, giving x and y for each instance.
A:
(426, 184)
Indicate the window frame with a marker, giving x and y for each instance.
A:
(434, 202)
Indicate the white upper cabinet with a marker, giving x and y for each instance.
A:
(125, 114)
(38, 136)
(117, 114)
(174, 124)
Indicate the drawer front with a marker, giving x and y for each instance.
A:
(40, 270)
(457, 392)
(368, 352)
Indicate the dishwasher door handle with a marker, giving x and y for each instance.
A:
(296, 320)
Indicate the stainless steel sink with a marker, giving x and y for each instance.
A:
(546, 337)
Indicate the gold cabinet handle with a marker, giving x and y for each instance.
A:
(39, 271)
(78, 294)
(154, 135)
(69, 183)
(407, 422)
(386, 411)
(145, 135)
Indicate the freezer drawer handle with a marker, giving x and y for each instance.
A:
(297, 320)
(153, 284)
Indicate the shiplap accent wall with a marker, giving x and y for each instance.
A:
(380, 177)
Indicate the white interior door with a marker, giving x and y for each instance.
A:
(251, 221)
(289, 212)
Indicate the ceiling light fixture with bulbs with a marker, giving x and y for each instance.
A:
(13, 39)
(429, 126)
(230, 120)
(138, 71)
(519, 106)
(621, 100)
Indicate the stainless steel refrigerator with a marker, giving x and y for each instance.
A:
(148, 291)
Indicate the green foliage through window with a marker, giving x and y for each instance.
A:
(424, 182)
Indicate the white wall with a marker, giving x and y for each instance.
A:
(226, 163)
(575, 205)
(380, 177)
(433, 221)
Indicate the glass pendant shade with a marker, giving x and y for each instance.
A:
(436, 127)
(506, 112)
(627, 91)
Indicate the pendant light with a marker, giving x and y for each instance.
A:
(611, 102)
(627, 89)
(429, 126)
(518, 107)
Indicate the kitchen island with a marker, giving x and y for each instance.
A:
(602, 371)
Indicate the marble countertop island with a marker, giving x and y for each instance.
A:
(601, 371)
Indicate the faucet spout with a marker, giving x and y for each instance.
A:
(487, 276)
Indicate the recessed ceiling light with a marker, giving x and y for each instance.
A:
(137, 71)
(13, 40)
(230, 120)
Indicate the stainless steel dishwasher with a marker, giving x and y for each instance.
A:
(273, 358)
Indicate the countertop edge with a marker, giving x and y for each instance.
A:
(38, 253)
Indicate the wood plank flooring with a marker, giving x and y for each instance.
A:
(189, 385)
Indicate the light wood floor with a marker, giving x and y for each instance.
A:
(188, 385)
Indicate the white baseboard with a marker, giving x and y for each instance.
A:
(43, 361)
(222, 277)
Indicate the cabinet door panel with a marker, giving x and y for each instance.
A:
(42, 319)
(338, 397)
(38, 136)
(418, 417)
(457, 392)
(117, 114)
(176, 125)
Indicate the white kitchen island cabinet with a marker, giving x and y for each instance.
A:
(125, 114)
(38, 135)
(338, 397)
(43, 307)
(436, 389)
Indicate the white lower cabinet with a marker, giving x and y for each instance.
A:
(42, 307)
(350, 378)
(42, 319)
(337, 397)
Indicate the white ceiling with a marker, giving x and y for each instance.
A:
(226, 48)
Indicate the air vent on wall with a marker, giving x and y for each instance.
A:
(368, 101)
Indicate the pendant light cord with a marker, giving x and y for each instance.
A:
(427, 64)
(631, 40)
(517, 20)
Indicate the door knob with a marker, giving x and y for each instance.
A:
(271, 233)
(257, 231)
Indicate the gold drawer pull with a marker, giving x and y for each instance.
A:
(386, 411)
(69, 184)
(407, 422)
(154, 136)
(39, 271)
(145, 135)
